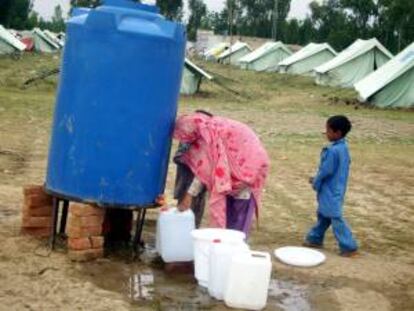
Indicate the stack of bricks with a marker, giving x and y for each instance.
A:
(37, 212)
(85, 240)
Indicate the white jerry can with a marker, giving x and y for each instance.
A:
(202, 242)
(173, 238)
(221, 254)
(248, 281)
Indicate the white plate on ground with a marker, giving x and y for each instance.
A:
(300, 256)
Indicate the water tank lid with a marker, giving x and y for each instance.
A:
(130, 4)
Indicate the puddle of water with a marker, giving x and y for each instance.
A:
(145, 285)
(289, 296)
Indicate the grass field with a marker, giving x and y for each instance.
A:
(289, 115)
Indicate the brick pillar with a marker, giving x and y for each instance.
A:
(85, 240)
(36, 212)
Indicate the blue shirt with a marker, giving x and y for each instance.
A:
(332, 178)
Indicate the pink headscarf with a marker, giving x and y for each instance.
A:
(226, 156)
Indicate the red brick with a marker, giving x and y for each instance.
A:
(87, 221)
(36, 222)
(84, 232)
(37, 200)
(79, 244)
(33, 189)
(85, 255)
(97, 241)
(36, 232)
(39, 211)
(81, 210)
(85, 243)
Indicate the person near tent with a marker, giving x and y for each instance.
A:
(226, 159)
(330, 185)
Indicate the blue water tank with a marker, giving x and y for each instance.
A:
(116, 105)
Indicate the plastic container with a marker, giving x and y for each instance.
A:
(202, 240)
(174, 242)
(248, 281)
(220, 258)
(116, 105)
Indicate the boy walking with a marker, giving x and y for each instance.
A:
(330, 185)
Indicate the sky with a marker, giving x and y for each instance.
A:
(299, 8)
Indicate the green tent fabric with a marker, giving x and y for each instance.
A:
(305, 60)
(192, 77)
(392, 85)
(353, 64)
(232, 55)
(265, 58)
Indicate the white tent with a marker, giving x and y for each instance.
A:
(215, 51)
(43, 43)
(233, 54)
(54, 37)
(265, 58)
(8, 43)
(308, 58)
(353, 64)
(392, 85)
(192, 77)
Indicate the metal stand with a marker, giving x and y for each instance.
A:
(137, 242)
(55, 216)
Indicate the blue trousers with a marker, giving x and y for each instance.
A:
(340, 229)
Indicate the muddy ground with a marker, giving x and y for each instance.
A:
(289, 114)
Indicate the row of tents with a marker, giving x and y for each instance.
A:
(366, 65)
(45, 41)
(42, 41)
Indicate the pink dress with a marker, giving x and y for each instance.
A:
(226, 156)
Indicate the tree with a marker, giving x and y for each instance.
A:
(15, 13)
(291, 31)
(171, 9)
(306, 32)
(58, 23)
(85, 3)
(198, 9)
(360, 13)
(208, 20)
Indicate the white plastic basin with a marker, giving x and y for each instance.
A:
(300, 256)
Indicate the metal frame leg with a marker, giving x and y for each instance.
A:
(139, 228)
(64, 217)
(53, 228)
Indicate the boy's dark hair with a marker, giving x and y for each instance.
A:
(204, 112)
(340, 123)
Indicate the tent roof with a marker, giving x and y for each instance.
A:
(377, 80)
(193, 67)
(10, 39)
(216, 48)
(40, 33)
(308, 51)
(233, 49)
(53, 36)
(265, 49)
(358, 48)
